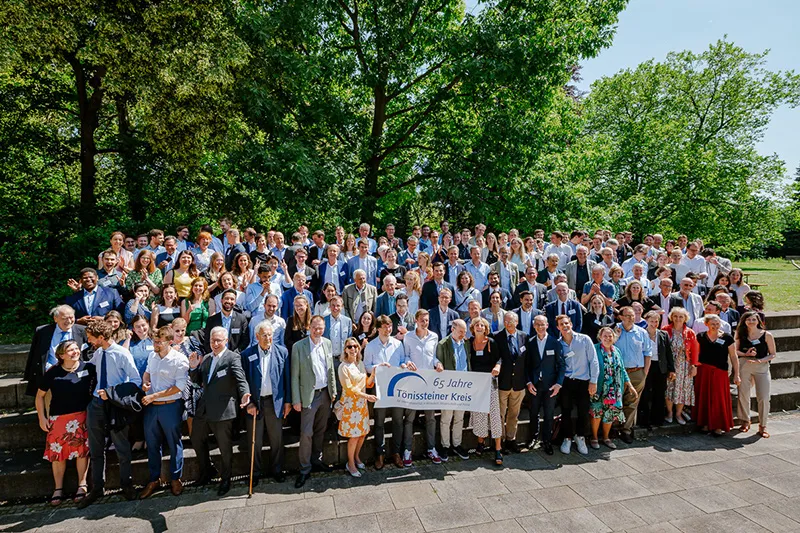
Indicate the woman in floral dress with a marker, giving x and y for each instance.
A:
(605, 406)
(685, 351)
(354, 420)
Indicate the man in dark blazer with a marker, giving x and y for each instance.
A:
(563, 306)
(546, 367)
(91, 300)
(494, 286)
(297, 245)
(435, 325)
(452, 268)
(268, 364)
(512, 379)
(166, 260)
(42, 353)
(317, 252)
(234, 248)
(234, 323)
(431, 289)
(339, 272)
(401, 318)
(300, 265)
(727, 313)
(224, 388)
(529, 284)
(526, 313)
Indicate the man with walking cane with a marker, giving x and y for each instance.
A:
(266, 367)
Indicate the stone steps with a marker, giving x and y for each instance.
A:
(787, 340)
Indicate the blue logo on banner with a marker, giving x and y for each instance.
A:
(398, 377)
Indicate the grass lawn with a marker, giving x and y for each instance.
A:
(780, 279)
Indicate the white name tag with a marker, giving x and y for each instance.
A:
(568, 355)
(83, 374)
(478, 352)
(550, 352)
(308, 278)
(598, 322)
(571, 312)
(253, 357)
(148, 348)
(733, 324)
(222, 373)
(522, 350)
(103, 304)
(720, 341)
(755, 342)
(361, 337)
(235, 331)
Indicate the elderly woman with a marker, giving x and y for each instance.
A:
(354, 419)
(483, 359)
(755, 348)
(680, 391)
(662, 369)
(606, 405)
(70, 382)
(713, 410)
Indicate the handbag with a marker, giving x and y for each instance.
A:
(338, 409)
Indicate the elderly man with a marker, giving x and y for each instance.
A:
(689, 300)
(635, 347)
(579, 271)
(332, 271)
(42, 354)
(512, 377)
(598, 285)
(563, 306)
(386, 303)
(454, 353)
(359, 296)
(363, 236)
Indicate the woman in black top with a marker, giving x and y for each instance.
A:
(365, 330)
(713, 410)
(634, 292)
(652, 407)
(70, 383)
(483, 359)
(391, 267)
(299, 324)
(596, 317)
(755, 348)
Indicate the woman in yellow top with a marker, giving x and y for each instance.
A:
(183, 274)
(354, 422)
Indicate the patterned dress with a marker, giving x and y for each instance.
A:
(355, 418)
(681, 390)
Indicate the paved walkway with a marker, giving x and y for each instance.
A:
(687, 483)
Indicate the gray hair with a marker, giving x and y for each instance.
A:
(359, 271)
(58, 310)
(263, 327)
(218, 329)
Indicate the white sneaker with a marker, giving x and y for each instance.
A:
(581, 443)
(433, 455)
(566, 446)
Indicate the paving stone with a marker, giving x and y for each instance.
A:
(202, 502)
(202, 522)
(768, 518)
(559, 498)
(571, 520)
(616, 517)
(413, 495)
(357, 503)
(517, 480)
(712, 499)
(565, 475)
(646, 463)
(242, 519)
(275, 494)
(656, 483)
(512, 505)
(608, 469)
(660, 508)
(664, 527)
(695, 476)
(792, 455)
(458, 489)
(752, 492)
(754, 466)
(399, 521)
(788, 507)
(350, 524)
(787, 484)
(298, 512)
(610, 490)
(450, 515)
(506, 526)
(683, 458)
(727, 521)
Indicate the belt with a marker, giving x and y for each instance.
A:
(634, 368)
(266, 396)
(165, 402)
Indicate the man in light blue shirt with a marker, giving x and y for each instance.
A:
(635, 346)
(478, 269)
(363, 235)
(453, 352)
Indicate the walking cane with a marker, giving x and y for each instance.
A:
(252, 455)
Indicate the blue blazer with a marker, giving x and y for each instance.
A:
(163, 257)
(574, 311)
(382, 304)
(279, 374)
(547, 369)
(371, 268)
(435, 324)
(287, 301)
(104, 301)
(347, 324)
(322, 272)
(430, 296)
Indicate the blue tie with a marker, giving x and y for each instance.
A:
(64, 336)
(511, 347)
(103, 377)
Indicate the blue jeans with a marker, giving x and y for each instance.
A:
(162, 432)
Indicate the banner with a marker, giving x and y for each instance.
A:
(429, 389)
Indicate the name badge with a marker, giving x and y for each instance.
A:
(568, 355)
(522, 350)
(550, 352)
(84, 346)
(149, 348)
(103, 304)
(598, 322)
(478, 352)
(235, 331)
(733, 324)
(571, 312)
(253, 357)
(361, 337)
(755, 342)
(222, 373)
(308, 278)
(82, 374)
(720, 341)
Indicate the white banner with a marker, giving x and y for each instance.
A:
(429, 389)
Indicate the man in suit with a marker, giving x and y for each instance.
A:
(727, 313)
(664, 299)
(42, 354)
(318, 252)
(281, 251)
(508, 271)
(364, 261)
(167, 259)
(233, 322)
(579, 271)
(235, 247)
(530, 285)
(291, 251)
(545, 365)
(454, 353)
(338, 327)
(494, 286)
(563, 306)
(452, 268)
(266, 367)
(552, 295)
(441, 316)
(363, 235)
(222, 378)
(359, 296)
(526, 313)
(91, 301)
(402, 320)
(432, 288)
(313, 391)
(300, 266)
(689, 300)
(287, 298)
(332, 271)
(512, 377)
(386, 304)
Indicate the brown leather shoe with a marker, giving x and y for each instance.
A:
(149, 489)
(176, 485)
(379, 462)
(397, 460)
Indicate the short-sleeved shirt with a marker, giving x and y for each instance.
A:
(72, 391)
(714, 353)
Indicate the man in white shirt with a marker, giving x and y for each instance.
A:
(695, 263)
(268, 313)
(662, 300)
(638, 258)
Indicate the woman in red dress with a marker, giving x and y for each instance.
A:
(713, 409)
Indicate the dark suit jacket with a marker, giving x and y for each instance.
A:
(407, 321)
(513, 373)
(37, 356)
(279, 374)
(430, 296)
(518, 311)
(239, 335)
(435, 324)
(459, 270)
(223, 393)
(104, 301)
(313, 252)
(666, 360)
(544, 276)
(232, 252)
(321, 276)
(733, 317)
(308, 271)
(289, 257)
(163, 257)
(574, 311)
(504, 294)
(548, 368)
(540, 296)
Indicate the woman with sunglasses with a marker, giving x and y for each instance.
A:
(354, 419)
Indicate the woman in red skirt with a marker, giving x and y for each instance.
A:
(713, 409)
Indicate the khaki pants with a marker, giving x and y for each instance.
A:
(629, 405)
(456, 418)
(510, 403)
(750, 373)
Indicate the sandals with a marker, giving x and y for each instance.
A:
(498, 458)
(57, 497)
(762, 432)
(610, 444)
(744, 428)
(595, 444)
(81, 495)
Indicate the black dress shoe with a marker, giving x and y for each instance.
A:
(224, 487)
(627, 438)
(202, 480)
(280, 477)
(512, 446)
(319, 466)
(129, 493)
(90, 498)
(548, 448)
(301, 480)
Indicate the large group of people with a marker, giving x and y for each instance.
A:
(240, 331)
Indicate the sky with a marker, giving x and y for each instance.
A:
(652, 28)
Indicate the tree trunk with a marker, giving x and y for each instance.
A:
(370, 200)
(127, 155)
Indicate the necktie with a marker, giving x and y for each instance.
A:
(64, 336)
(563, 308)
(511, 347)
(103, 381)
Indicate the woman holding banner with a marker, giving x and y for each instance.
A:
(354, 419)
(484, 357)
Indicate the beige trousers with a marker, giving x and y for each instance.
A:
(510, 403)
(750, 373)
